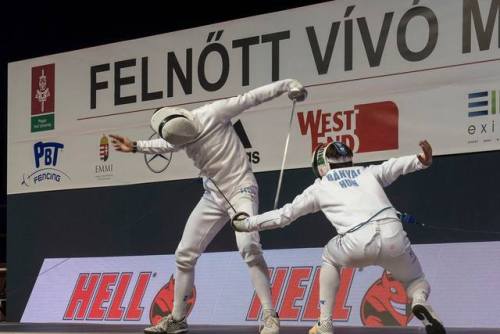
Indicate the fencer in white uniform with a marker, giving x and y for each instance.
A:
(209, 139)
(369, 230)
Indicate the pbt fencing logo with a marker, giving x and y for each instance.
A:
(483, 109)
(367, 127)
(42, 97)
(46, 156)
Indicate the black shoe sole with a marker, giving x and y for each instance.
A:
(433, 325)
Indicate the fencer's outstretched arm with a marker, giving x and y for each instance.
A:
(124, 144)
(231, 107)
(389, 171)
(154, 146)
(302, 204)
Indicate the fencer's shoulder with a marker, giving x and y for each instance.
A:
(204, 112)
(318, 182)
(200, 110)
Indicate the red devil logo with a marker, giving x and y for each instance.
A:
(163, 303)
(386, 304)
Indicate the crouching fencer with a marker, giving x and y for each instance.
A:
(209, 139)
(369, 230)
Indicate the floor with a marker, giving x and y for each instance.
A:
(105, 329)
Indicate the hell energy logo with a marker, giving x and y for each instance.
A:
(295, 292)
(42, 97)
(108, 296)
(386, 304)
(163, 303)
(364, 128)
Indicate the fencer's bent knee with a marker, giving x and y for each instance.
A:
(328, 258)
(252, 254)
(185, 260)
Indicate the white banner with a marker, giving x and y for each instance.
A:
(465, 278)
(381, 75)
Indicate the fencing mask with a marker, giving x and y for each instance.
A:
(175, 125)
(330, 156)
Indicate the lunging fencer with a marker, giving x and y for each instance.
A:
(209, 139)
(369, 230)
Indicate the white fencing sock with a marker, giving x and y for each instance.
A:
(329, 280)
(184, 282)
(419, 290)
(260, 280)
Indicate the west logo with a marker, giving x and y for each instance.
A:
(365, 128)
(295, 292)
(108, 296)
(42, 97)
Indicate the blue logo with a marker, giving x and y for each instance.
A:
(46, 157)
(483, 109)
(47, 152)
(345, 178)
(482, 103)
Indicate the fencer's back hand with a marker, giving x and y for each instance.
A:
(122, 144)
(425, 157)
(239, 222)
(296, 91)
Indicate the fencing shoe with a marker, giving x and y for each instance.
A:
(322, 327)
(167, 325)
(425, 313)
(271, 323)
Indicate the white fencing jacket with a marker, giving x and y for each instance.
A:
(347, 196)
(218, 151)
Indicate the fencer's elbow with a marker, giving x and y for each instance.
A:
(284, 223)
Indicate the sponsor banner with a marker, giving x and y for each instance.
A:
(380, 77)
(373, 126)
(139, 289)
